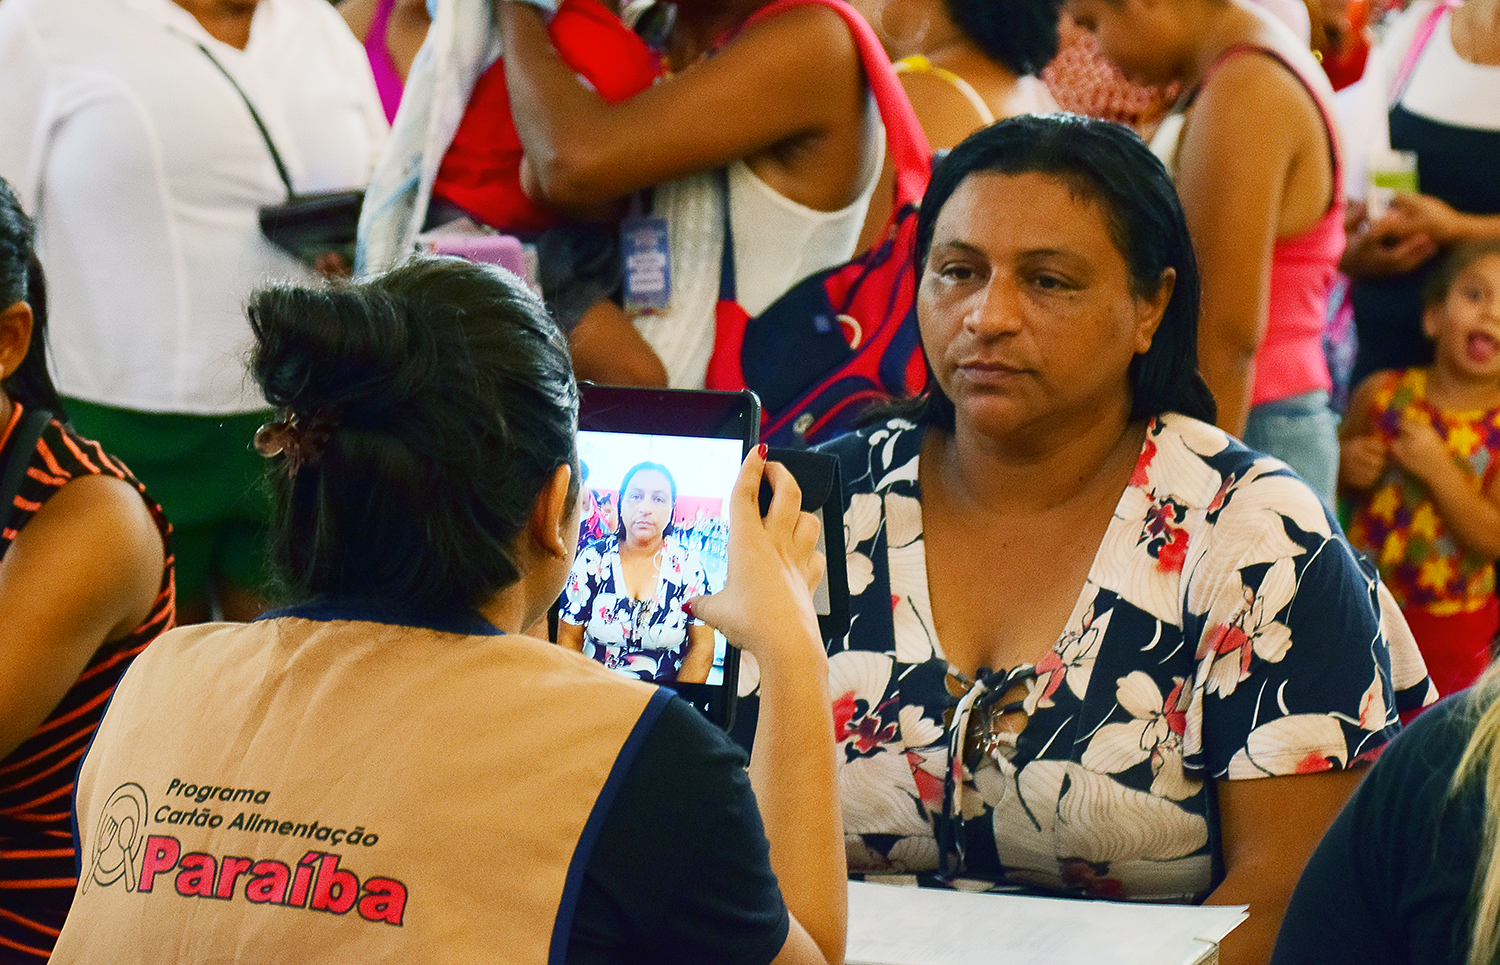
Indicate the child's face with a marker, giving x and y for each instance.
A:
(1466, 324)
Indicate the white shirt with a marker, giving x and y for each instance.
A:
(145, 172)
(777, 243)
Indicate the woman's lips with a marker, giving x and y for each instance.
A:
(981, 372)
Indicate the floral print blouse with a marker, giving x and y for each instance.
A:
(645, 638)
(1226, 630)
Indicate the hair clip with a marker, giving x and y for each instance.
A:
(299, 438)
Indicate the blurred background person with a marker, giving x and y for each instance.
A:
(776, 106)
(965, 63)
(129, 134)
(1256, 159)
(1420, 465)
(1431, 87)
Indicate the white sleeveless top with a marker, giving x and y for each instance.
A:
(777, 243)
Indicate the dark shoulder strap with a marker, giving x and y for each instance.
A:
(260, 125)
(23, 442)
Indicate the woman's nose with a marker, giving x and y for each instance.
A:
(994, 310)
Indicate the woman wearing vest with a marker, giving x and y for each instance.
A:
(86, 582)
(387, 770)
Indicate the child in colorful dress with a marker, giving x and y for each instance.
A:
(1418, 458)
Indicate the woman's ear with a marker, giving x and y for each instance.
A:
(1152, 308)
(15, 337)
(553, 526)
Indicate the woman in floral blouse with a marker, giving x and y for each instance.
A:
(1083, 617)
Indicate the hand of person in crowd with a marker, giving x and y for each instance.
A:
(1419, 449)
(1421, 214)
(608, 348)
(1391, 245)
(1361, 461)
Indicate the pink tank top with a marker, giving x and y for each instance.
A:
(1291, 359)
(387, 78)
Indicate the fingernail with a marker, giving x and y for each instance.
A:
(687, 607)
(763, 449)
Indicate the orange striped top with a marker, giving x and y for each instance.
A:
(37, 870)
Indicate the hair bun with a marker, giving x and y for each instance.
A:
(343, 346)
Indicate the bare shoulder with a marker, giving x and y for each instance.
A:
(810, 34)
(1253, 99)
(946, 115)
(97, 523)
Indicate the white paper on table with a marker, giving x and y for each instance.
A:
(894, 925)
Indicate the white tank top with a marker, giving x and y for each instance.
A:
(777, 243)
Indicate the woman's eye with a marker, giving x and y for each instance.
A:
(1049, 282)
(959, 273)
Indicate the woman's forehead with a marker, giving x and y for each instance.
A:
(1027, 210)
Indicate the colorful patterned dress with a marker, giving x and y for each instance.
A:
(1446, 591)
(1226, 631)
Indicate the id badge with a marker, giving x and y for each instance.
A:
(647, 255)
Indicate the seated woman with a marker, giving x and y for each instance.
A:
(1410, 870)
(778, 101)
(85, 584)
(623, 602)
(968, 63)
(1069, 590)
(1255, 154)
(390, 750)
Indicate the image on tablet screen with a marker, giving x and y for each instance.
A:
(652, 534)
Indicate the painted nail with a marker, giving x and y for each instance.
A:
(687, 607)
(763, 449)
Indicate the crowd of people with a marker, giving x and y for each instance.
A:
(283, 531)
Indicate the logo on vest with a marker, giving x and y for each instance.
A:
(119, 839)
(122, 850)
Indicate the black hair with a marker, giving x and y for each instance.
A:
(625, 483)
(449, 400)
(1109, 164)
(1020, 34)
(1435, 288)
(22, 280)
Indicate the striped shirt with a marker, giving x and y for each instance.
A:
(37, 869)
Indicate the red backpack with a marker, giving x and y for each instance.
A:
(847, 336)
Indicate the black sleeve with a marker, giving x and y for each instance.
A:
(1390, 880)
(681, 871)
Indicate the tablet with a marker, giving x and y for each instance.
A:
(658, 466)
